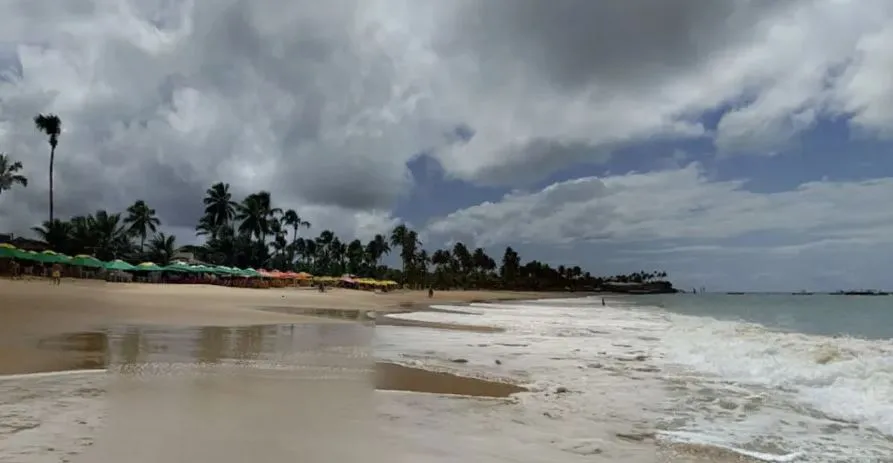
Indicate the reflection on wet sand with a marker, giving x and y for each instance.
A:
(124, 348)
(73, 351)
(370, 317)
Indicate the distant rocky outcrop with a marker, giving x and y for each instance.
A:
(650, 287)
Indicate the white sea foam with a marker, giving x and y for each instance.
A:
(735, 386)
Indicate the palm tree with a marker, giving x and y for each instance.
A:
(220, 209)
(398, 238)
(110, 238)
(56, 234)
(162, 248)
(9, 173)
(256, 213)
(141, 220)
(253, 217)
(377, 248)
(292, 219)
(51, 125)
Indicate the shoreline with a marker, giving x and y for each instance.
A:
(35, 311)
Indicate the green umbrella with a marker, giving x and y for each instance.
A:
(119, 264)
(84, 260)
(30, 255)
(8, 251)
(149, 267)
(51, 257)
(223, 270)
(250, 272)
(181, 267)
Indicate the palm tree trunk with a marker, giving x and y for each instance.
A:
(52, 161)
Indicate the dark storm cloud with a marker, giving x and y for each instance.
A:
(576, 43)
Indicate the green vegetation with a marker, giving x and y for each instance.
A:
(254, 233)
(9, 174)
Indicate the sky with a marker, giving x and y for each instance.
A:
(737, 145)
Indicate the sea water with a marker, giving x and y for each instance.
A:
(768, 377)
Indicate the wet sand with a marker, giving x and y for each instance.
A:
(45, 328)
(93, 350)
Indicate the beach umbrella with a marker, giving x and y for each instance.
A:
(223, 270)
(250, 272)
(29, 255)
(241, 272)
(303, 276)
(119, 264)
(149, 267)
(180, 267)
(8, 251)
(84, 260)
(51, 257)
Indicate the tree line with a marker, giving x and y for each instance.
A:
(253, 232)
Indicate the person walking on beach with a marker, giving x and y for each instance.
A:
(14, 266)
(57, 274)
(603, 302)
(430, 293)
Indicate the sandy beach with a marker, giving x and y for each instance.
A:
(35, 307)
(91, 325)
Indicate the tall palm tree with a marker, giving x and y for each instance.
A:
(398, 238)
(292, 219)
(141, 220)
(220, 209)
(9, 173)
(51, 125)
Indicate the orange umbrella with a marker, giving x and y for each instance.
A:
(274, 273)
(303, 276)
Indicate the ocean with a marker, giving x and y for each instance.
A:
(681, 378)
(766, 377)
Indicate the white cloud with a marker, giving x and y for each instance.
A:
(324, 103)
(676, 204)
